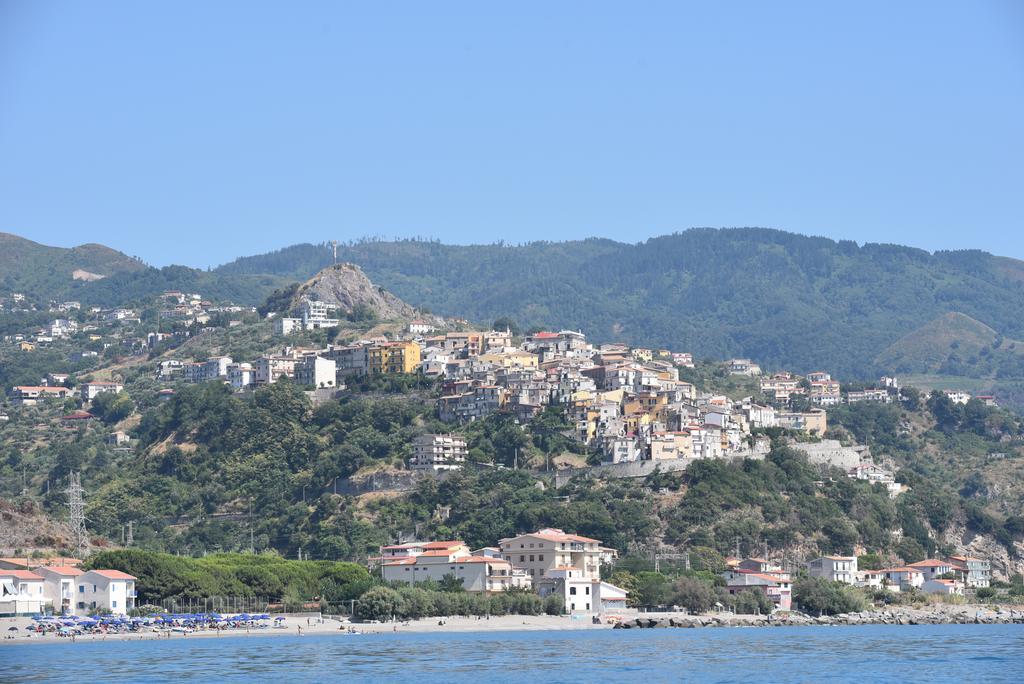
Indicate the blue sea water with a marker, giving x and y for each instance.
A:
(927, 653)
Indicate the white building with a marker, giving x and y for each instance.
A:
(286, 326)
(269, 369)
(947, 587)
(241, 375)
(104, 591)
(420, 328)
(958, 396)
(59, 586)
(315, 315)
(477, 573)
(834, 568)
(581, 594)
(90, 390)
(542, 552)
(316, 371)
(438, 452)
(21, 593)
(902, 578)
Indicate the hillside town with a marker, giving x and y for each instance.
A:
(627, 404)
(636, 410)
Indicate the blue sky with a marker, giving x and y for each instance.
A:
(193, 132)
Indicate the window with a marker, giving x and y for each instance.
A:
(113, 604)
(587, 592)
(531, 557)
(522, 558)
(540, 557)
(81, 605)
(572, 591)
(94, 588)
(81, 588)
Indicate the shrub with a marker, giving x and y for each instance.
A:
(379, 603)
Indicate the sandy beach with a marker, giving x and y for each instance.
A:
(293, 626)
(314, 625)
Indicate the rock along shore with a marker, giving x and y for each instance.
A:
(955, 615)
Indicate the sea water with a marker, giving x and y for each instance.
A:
(869, 653)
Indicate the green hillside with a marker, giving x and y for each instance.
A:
(43, 273)
(784, 299)
(38, 270)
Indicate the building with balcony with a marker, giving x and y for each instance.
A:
(21, 593)
(59, 587)
(438, 452)
(418, 563)
(834, 568)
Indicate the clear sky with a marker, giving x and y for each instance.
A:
(193, 131)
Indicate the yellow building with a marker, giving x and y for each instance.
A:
(515, 359)
(393, 357)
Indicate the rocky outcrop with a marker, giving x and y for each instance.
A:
(346, 288)
(948, 615)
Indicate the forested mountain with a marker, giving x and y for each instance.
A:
(100, 276)
(784, 299)
(34, 269)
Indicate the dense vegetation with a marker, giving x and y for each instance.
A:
(162, 576)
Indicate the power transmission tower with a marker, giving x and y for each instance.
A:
(79, 535)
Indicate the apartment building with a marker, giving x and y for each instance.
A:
(90, 390)
(393, 357)
(477, 573)
(316, 371)
(834, 568)
(438, 452)
(541, 552)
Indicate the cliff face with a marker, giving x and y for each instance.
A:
(347, 288)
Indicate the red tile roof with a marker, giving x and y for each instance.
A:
(63, 570)
(929, 563)
(114, 574)
(21, 574)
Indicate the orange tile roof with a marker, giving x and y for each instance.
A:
(62, 570)
(16, 561)
(21, 574)
(114, 574)
(929, 563)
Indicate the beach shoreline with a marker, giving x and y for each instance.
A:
(317, 626)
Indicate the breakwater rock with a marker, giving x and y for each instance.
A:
(879, 617)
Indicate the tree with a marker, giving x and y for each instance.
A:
(693, 594)
(818, 595)
(379, 603)
(751, 601)
(451, 583)
(112, 408)
(554, 604)
(911, 551)
(506, 323)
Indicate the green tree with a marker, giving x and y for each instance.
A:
(380, 603)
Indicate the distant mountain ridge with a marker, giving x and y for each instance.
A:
(785, 299)
(101, 276)
(31, 267)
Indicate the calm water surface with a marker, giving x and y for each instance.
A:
(965, 653)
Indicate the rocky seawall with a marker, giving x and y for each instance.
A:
(957, 616)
